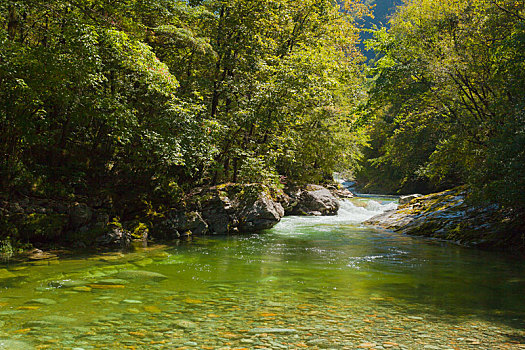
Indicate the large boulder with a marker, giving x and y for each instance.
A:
(79, 215)
(262, 214)
(180, 224)
(114, 237)
(237, 207)
(339, 191)
(214, 211)
(448, 215)
(313, 200)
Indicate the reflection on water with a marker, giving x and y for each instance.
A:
(316, 282)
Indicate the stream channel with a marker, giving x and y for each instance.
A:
(310, 282)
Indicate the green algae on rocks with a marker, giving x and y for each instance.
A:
(450, 215)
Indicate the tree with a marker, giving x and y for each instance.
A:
(447, 99)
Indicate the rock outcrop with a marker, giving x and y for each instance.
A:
(78, 224)
(224, 209)
(448, 215)
(114, 237)
(340, 191)
(406, 199)
(312, 200)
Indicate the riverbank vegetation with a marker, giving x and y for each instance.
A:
(141, 101)
(446, 106)
(128, 106)
(134, 95)
(447, 103)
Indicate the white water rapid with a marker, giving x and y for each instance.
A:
(351, 212)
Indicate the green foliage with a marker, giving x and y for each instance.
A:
(142, 101)
(42, 227)
(446, 105)
(6, 249)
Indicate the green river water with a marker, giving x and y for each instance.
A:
(310, 282)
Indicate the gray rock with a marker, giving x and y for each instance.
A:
(183, 224)
(339, 191)
(236, 207)
(264, 213)
(115, 236)
(447, 215)
(215, 214)
(314, 200)
(79, 215)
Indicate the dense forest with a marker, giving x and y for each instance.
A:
(447, 105)
(163, 92)
(143, 100)
(380, 13)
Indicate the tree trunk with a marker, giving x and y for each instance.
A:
(12, 23)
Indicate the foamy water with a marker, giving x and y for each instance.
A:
(351, 212)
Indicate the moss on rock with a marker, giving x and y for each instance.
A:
(449, 215)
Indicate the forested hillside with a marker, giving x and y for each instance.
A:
(447, 104)
(137, 103)
(381, 12)
(135, 98)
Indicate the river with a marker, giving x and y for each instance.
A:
(310, 282)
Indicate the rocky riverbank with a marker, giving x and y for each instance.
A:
(224, 209)
(449, 215)
(234, 208)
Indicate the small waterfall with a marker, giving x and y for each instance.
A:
(351, 212)
(357, 211)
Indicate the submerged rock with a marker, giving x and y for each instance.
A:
(42, 301)
(14, 344)
(38, 324)
(184, 324)
(67, 283)
(272, 330)
(58, 319)
(112, 281)
(5, 274)
(140, 274)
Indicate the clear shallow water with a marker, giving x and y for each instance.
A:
(310, 282)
